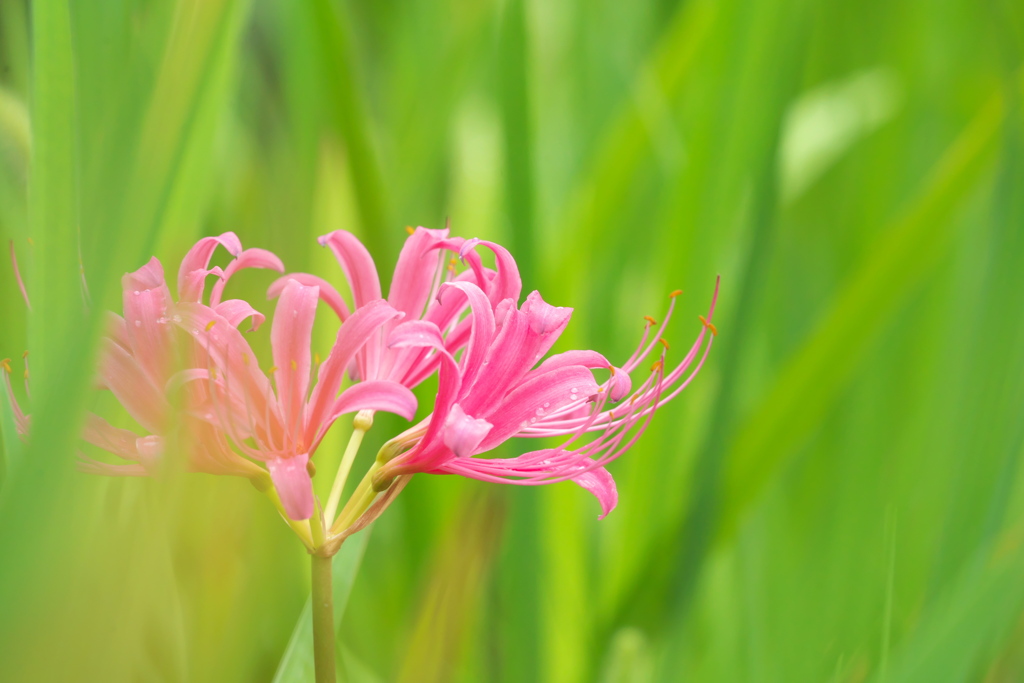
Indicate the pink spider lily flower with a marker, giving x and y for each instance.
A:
(283, 428)
(494, 393)
(141, 353)
(422, 268)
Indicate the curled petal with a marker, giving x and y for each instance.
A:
(600, 482)
(462, 433)
(250, 258)
(328, 294)
(198, 259)
(384, 395)
(236, 311)
(291, 479)
(357, 264)
(122, 374)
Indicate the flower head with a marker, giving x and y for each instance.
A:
(496, 391)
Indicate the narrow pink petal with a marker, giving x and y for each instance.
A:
(102, 434)
(328, 294)
(599, 481)
(145, 299)
(198, 258)
(419, 333)
(463, 434)
(250, 258)
(352, 335)
(508, 284)
(237, 311)
(126, 379)
(384, 395)
(291, 479)
(537, 397)
(290, 336)
(414, 273)
(357, 264)
(482, 328)
(235, 363)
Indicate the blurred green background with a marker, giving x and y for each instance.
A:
(837, 497)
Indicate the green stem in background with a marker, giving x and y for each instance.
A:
(323, 619)
(360, 425)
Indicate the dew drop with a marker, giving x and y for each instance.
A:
(546, 404)
(177, 318)
(524, 424)
(532, 420)
(573, 390)
(136, 292)
(572, 397)
(540, 411)
(295, 314)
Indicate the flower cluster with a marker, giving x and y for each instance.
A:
(184, 371)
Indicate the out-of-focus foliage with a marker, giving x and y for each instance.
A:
(838, 495)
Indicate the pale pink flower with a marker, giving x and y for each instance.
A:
(494, 392)
(140, 355)
(423, 267)
(283, 428)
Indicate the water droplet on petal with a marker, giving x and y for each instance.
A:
(532, 420)
(138, 323)
(524, 424)
(546, 404)
(136, 292)
(573, 390)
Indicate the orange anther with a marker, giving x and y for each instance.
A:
(710, 326)
(316, 358)
(664, 343)
(409, 229)
(25, 355)
(674, 294)
(6, 364)
(650, 320)
(295, 366)
(272, 370)
(209, 325)
(245, 359)
(658, 365)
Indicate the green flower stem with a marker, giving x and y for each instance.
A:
(360, 501)
(323, 619)
(360, 425)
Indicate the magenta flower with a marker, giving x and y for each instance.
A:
(494, 393)
(422, 268)
(140, 355)
(283, 428)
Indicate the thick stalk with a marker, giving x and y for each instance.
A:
(323, 619)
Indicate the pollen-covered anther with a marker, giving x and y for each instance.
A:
(245, 359)
(311, 468)
(650, 320)
(664, 343)
(6, 364)
(658, 365)
(25, 354)
(272, 370)
(674, 294)
(409, 229)
(209, 325)
(295, 366)
(316, 358)
(213, 374)
(709, 326)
